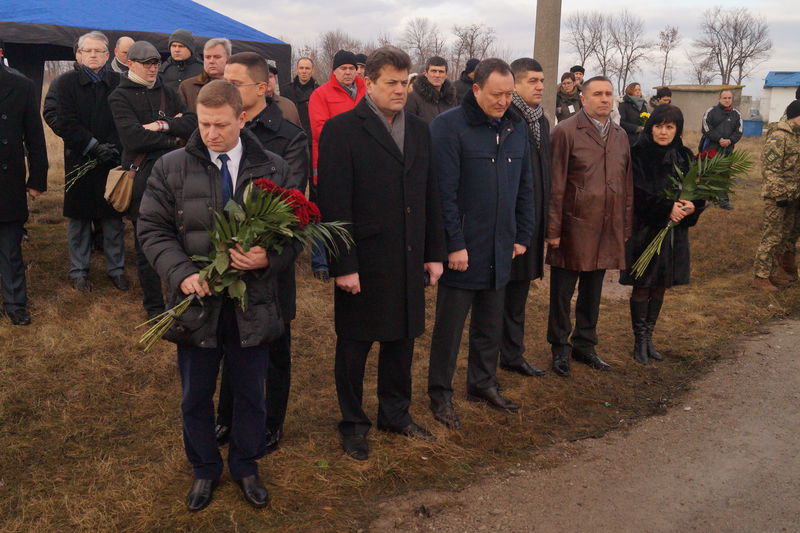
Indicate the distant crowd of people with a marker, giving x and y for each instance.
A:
(460, 185)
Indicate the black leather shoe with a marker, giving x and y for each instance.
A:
(223, 434)
(254, 491)
(200, 494)
(20, 317)
(411, 430)
(524, 369)
(356, 446)
(445, 414)
(592, 359)
(82, 284)
(273, 439)
(493, 398)
(120, 282)
(561, 364)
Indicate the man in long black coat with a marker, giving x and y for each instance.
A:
(376, 160)
(151, 120)
(527, 100)
(85, 123)
(20, 133)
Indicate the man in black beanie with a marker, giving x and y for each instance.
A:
(578, 71)
(464, 82)
(182, 64)
(341, 93)
(361, 63)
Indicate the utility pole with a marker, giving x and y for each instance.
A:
(545, 50)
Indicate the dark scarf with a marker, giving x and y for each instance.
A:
(532, 116)
(96, 77)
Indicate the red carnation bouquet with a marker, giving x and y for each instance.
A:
(271, 217)
(709, 176)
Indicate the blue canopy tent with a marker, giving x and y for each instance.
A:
(36, 31)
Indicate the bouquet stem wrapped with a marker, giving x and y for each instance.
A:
(710, 175)
(271, 217)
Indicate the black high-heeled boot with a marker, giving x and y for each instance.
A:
(653, 309)
(639, 324)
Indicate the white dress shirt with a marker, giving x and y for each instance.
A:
(235, 155)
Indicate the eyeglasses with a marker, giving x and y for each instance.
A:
(93, 51)
(150, 63)
(239, 84)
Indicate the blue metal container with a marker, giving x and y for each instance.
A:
(752, 128)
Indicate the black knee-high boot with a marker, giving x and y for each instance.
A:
(653, 309)
(639, 324)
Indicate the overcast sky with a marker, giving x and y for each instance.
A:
(301, 21)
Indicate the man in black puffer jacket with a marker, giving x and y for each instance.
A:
(182, 63)
(185, 189)
(464, 82)
(151, 120)
(433, 94)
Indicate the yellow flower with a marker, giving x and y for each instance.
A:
(645, 115)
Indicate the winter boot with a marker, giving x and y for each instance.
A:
(780, 278)
(653, 309)
(763, 284)
(789, 263)
(639, 324)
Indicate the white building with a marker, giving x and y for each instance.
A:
(780, 90)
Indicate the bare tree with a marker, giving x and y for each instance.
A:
(384, 38)
(422, 40)
(604, 47)
(735, 40)
(580, 34)
(472, 40)
(668, 40)
(701, 68)
(626, 33)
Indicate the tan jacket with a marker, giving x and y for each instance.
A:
(591, 196)
(288, 108)
(190, 88)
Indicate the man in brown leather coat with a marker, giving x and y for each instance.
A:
(589, 220)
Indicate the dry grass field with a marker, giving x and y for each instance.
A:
(90, 429)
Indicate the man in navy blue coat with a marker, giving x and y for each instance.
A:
(481, 160)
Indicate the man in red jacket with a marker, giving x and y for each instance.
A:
(341, 93)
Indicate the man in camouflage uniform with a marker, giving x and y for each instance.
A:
(775, 264)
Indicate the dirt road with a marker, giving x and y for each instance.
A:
(727, 459)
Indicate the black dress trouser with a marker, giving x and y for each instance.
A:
(150, 282)
(587, 309)
(485, 332)
(12, 268)
(279, 380)
(513, 346)
(394, 384)
(246, 367)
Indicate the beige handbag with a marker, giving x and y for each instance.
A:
(119, 185)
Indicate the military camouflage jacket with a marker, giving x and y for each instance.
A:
(780, 162)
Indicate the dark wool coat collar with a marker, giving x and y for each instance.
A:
(84, 79)
(476, 116)
(310, 83)
(252, 151)
(431, 94)
(270, 117)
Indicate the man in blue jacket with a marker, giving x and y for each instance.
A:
(481, 161)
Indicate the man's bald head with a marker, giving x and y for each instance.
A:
(121, 49)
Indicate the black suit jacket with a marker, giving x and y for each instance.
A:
(21, 132)
(392, 200)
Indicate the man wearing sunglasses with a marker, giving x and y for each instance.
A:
(151, 120)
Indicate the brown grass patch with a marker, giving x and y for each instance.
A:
(91, 427)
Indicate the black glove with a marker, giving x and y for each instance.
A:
(782, 203)
(106, 154)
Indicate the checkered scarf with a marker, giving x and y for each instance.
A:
(532, 116)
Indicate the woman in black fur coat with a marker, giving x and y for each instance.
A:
(655, 156)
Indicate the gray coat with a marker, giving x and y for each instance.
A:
(175, 216)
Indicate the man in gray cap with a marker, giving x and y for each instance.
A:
(287, 107)
(182, 64)
(151, 120)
